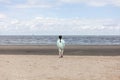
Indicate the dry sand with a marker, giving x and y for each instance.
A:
(42, 63)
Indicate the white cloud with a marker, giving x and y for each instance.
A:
(58, 3)
(94, 2)
(47, 25)
(31, 6)
(14, 21)
(34, 4)
(3, 16)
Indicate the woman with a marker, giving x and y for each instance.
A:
(60, 45)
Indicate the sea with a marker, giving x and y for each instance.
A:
(51, 40)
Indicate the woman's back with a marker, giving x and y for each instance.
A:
(61, 43)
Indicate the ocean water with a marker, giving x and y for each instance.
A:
(51, 40)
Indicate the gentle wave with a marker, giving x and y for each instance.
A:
(51, 40)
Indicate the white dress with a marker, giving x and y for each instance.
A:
(61, 44)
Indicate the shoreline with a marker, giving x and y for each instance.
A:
(89, 50)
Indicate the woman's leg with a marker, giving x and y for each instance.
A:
(60, 52)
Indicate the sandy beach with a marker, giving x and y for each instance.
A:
(42, 63)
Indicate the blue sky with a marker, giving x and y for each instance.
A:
(54, 17)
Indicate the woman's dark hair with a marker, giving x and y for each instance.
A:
(60, 37)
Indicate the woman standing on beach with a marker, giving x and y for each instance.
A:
(60, 45)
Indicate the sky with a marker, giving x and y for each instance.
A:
(59, 17)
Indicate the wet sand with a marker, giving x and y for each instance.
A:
(42, 63)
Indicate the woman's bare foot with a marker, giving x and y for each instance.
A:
(60, 56)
